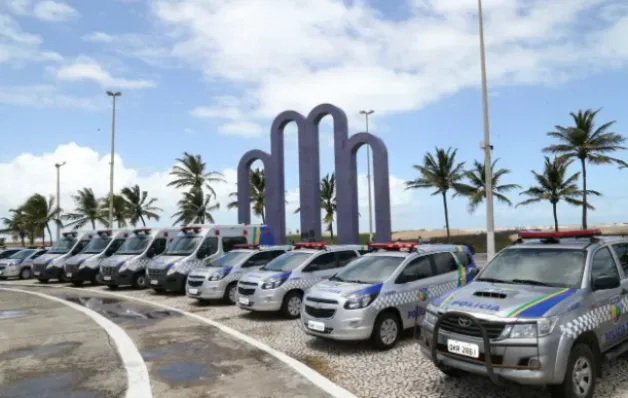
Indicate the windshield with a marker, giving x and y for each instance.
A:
(62, 246)
(135, 244)
(229, 259)
(551, 266)
(369, 269)
(22, 254)
(183, 245)
(287, 261)
(97, 244)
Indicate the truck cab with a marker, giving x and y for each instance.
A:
(50, 265)
(384, 292)
(548, 310)
(194, 246)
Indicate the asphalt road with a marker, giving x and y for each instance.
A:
(50, 350)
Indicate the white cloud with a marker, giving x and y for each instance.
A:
(85, 68)
(46, 96)
(98, 37)
(299, 53)
(18, 47)
(44, 10)
(242, 129)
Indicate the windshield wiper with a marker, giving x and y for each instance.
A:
(493, 280)
(533, 282)
(335, 278)
(358, 281)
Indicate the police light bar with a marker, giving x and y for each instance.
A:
(191, 228)
(106, 232)
(246, 246)
(310, 245)
(396, 246)
(576, 233)
(69, 234)
(145, 230)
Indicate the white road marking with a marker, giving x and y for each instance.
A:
(138, 380)
(313, 376)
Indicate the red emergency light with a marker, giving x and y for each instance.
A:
(576, 233)
(217, 232)
(310, 245)
(245, 246)
(394, 246)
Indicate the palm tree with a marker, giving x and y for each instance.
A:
(40, 212)
(588, 143)
(328, 202)
(475, 189)
(440, 172)
(120, 209)
(139, 206)
(87, 210)
(554, 186)
(16, 226)
(190, 173)
(195, 208)
(257, 190)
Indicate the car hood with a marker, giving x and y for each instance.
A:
(116, 260)
(7, 262)
(264, 275)
(46, 258)
(336, 288)
(80, 258)
(163, 262)
(503, 300)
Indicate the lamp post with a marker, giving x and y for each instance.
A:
(368, 173)
(488, 185)
(113, 137)
(58, 166)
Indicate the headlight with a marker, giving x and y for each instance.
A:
(171, 270)
(543, 327)
(273, 284)
(360, 301)
(218, 276)
(430, 318)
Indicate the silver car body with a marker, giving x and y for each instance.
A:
(12, 267)
(50, 265)
(86, 265)
(326, 308)
(531, 329)
(265, 290)
(121, 267)
(211, 282)
(169, 271)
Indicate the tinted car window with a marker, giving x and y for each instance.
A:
(621, 249)
(262, 258)
(445, 263)
(228, 242)
(159, 245)
(345, 257)
(603, 265)
(322, 262)
(417, 269)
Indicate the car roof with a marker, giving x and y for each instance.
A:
(571, 243)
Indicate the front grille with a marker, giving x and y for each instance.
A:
(196, 277)
(156, 273)
(71, 268)
(493, 329)
(195, 283)
(320, 300)
(109, 271)
(319, 312)
(40, 267)
(248, 283)
(245, 292)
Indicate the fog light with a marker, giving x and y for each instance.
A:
(534, 362)
(355, 323)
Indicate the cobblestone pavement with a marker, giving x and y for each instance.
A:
(399, 373)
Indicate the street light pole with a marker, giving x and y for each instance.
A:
(113, 137)
(58, 166)
(488, 185)
(368, 173)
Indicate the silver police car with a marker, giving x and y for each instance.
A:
(384, 292)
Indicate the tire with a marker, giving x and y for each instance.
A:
(112, 287)
(77, 283)
(45, 280)
(291, 306)
(62, 278)
(26, 273)
(182, 287)
(139, 281)
(386, 331)
(230, 293)
(581, 357)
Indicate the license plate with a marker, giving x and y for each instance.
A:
(68, 274)
(318, 326)
(36, 273)
(243, 300)
(107, 278)
(462, 348)
(193, 291)
(154, 282)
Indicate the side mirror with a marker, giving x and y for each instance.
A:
(201, 254)
(150, 253)
(109, 251)
(403, 278)
(474, 272)
(605, 283)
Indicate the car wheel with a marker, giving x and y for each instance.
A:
(77, 283)
(43, 280)
(291, 306)
(62, 278)
(580, 377)
(230, 293)
(139, 281)
(26, 273)
(386, 331)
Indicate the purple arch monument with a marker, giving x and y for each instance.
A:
(345, 149)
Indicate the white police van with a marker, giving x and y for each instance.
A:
(50, 265)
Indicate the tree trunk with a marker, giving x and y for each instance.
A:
(23, 239)
(584, 193)
(263, 216)
(43, 236)
(142, 219)
(49, 234)
(93, 225)
(446, 214)
(331, 231)
(555, 217)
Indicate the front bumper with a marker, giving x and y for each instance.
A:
(50, 272)
(252, 297)
(522, 361)
(10, 272)
(112, 276)
(201, 288)
(338, 323)
(172, 282)
(76, 274)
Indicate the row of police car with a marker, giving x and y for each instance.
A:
(548, 310)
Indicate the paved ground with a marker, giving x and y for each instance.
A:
(399, 373)
(49, 348)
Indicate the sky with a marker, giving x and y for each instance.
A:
(209, 76)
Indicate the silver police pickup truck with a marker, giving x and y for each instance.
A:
(547, 310)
